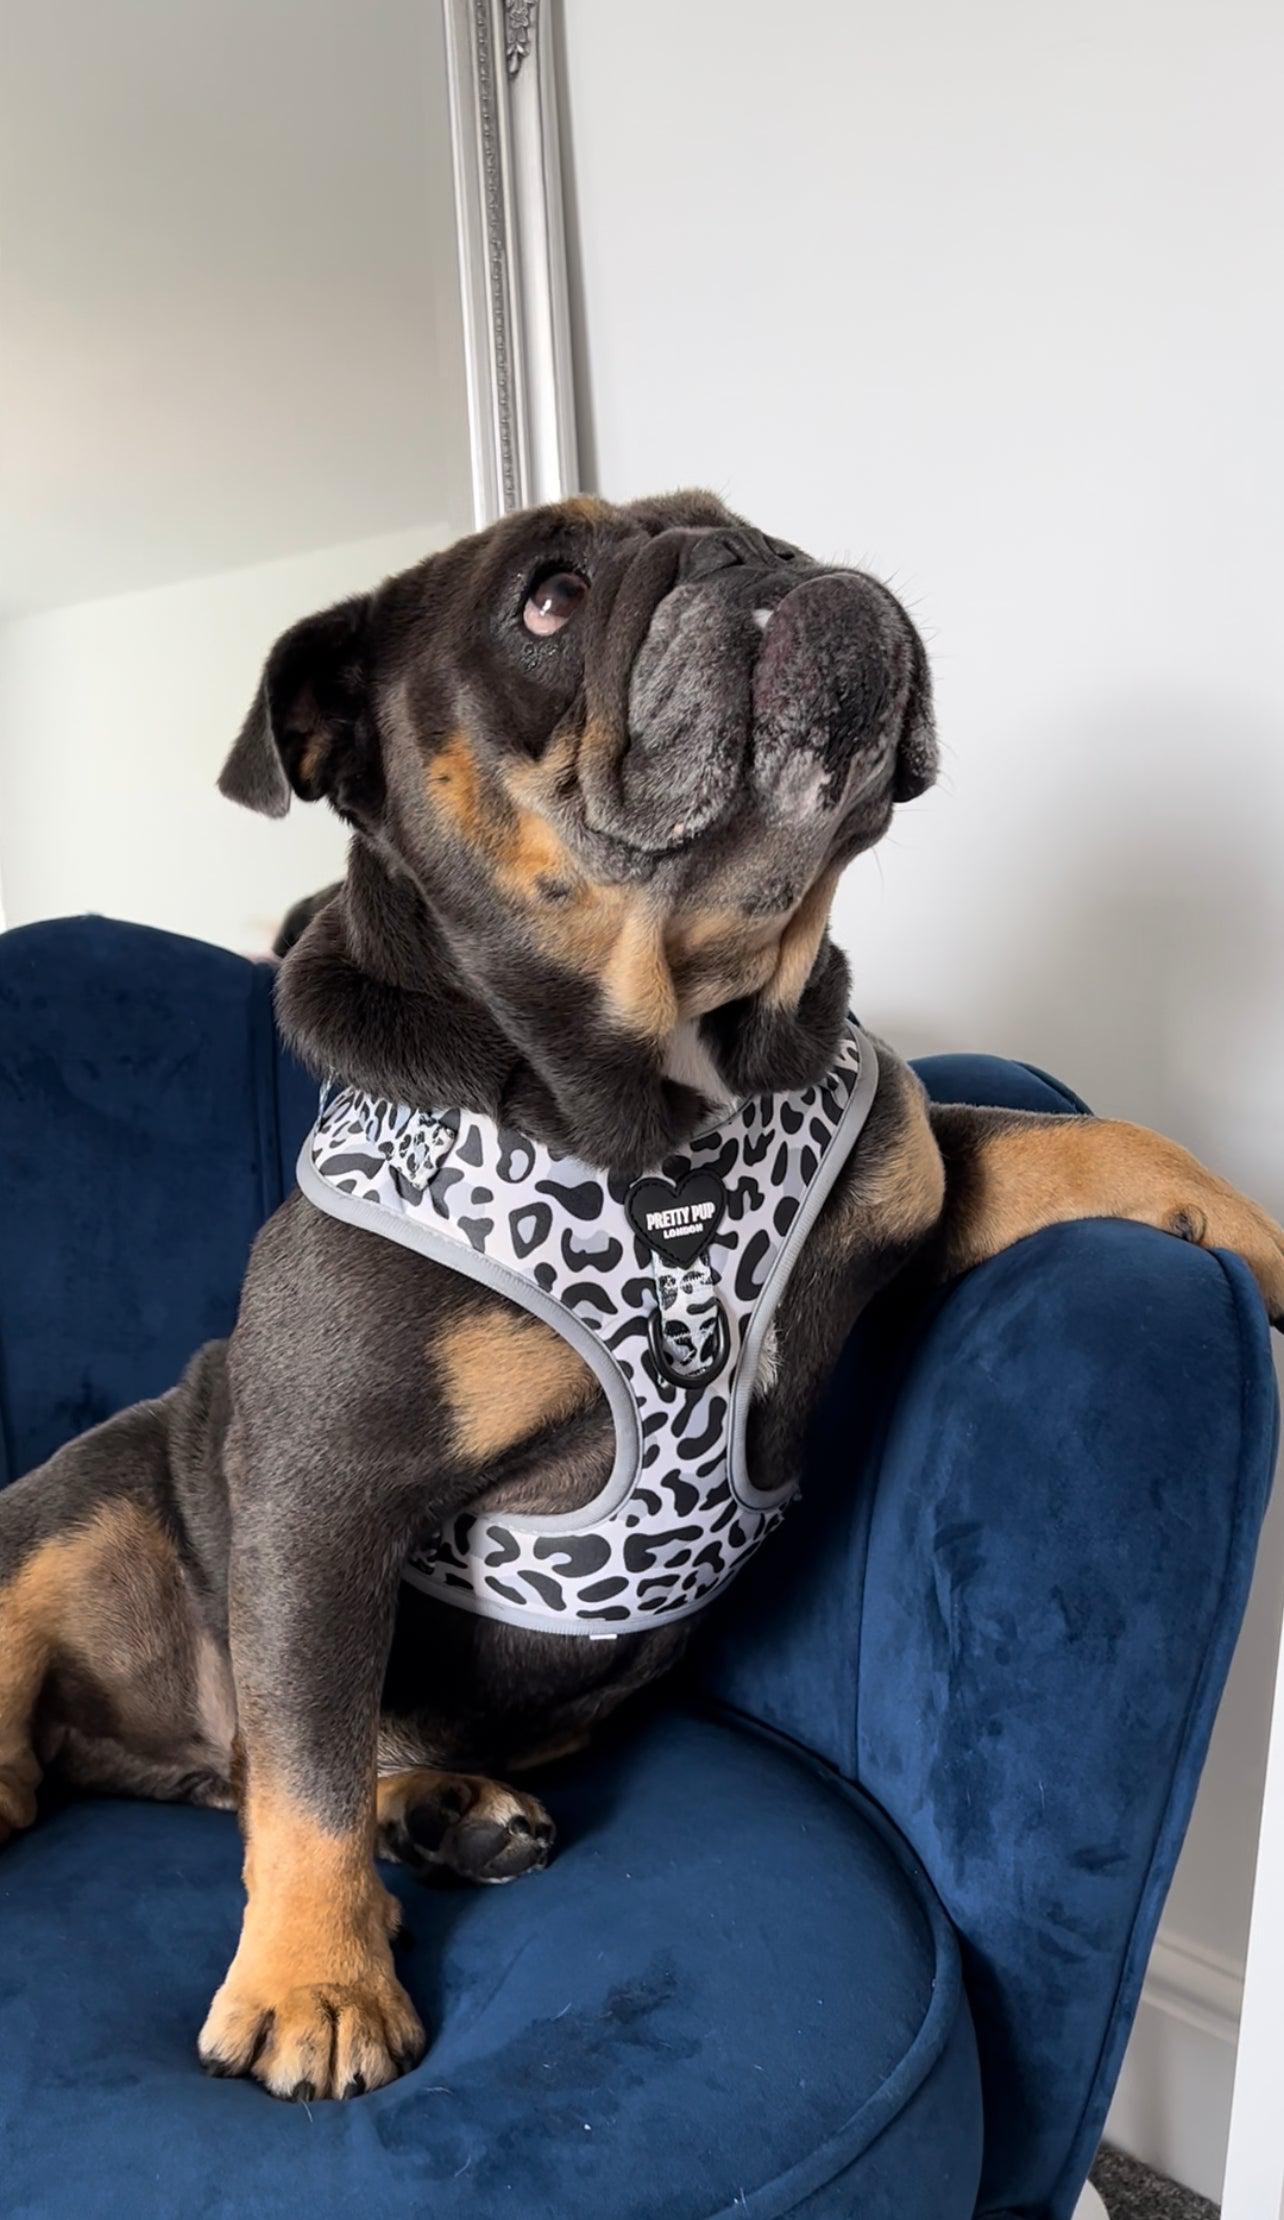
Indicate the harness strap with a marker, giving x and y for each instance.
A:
(414, 1142)
(690, 1336)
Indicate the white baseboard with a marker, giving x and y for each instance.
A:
(1172, 2105)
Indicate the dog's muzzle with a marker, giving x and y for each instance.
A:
(830, 689)
(761, 677)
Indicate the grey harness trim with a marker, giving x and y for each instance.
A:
(415, 1147)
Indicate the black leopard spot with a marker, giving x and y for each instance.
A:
(685, 1496)
(807, 1166)
(505, 1549)
(529, 1227)
(699, 1444)
(791, 1119)
(598, 1590)
(640, 1549)
(604, 1253)
(476, 1230)
(361, 1162)
(545, 1588)
(686, 1416)
(748, 1283)
(469, 1150)
(591, 1292)
(574, 1554)
(516, 1158)
(501, 1588)
(583, 1201)
(785, 1213)
(446, 1178)
(608, 1611)
(545, 1277)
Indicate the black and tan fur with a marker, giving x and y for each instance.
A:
(589, 886)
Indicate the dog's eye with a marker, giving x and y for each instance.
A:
(553, 601)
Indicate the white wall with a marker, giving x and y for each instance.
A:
(984, 297)
(115, 718)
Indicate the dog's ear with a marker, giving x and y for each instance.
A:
(309, 730)
(917, 759)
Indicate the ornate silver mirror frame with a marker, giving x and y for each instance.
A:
(512, 252)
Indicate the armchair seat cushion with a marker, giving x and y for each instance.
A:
(733, 1992)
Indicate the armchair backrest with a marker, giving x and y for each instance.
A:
(148, 1125)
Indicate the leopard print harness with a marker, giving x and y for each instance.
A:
(667, 1286)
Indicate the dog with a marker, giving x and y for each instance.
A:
(602, 768)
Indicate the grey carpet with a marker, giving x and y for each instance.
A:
(1132, 2192)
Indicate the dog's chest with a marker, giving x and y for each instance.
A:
(668, 1286)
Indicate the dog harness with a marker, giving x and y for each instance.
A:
(666, 1286)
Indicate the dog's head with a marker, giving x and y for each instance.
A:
(603, 761)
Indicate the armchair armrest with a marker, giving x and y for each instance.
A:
(1007, 1608)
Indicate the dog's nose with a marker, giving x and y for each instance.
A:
(841, 700)
(722, 547)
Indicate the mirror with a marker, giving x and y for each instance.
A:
(283, 309)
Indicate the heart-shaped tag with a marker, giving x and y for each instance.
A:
(680, 1221)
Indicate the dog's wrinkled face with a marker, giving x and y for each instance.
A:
(646, 738)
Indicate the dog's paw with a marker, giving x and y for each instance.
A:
(461, 1823)
(320, 2039)
(1215, 1215)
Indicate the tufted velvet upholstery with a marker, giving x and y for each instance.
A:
(855, 1919)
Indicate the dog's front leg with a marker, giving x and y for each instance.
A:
(1009, 1173)
(311, 2005)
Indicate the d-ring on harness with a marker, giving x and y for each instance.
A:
(666, 1285)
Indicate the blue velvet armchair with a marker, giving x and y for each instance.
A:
(853, 1920)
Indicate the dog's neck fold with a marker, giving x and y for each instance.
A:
(383, 994)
